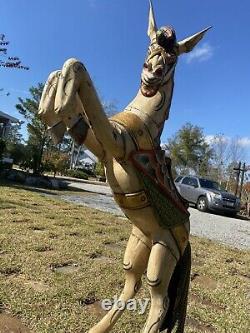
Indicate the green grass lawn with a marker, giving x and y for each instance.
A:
(56, 256)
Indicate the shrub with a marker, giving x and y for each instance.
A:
(55, 162)
(99, 169)
(89, 172)
(2, 147)
(76, 174)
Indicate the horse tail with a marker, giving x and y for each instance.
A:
(174, 320)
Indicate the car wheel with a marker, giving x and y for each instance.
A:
(202, 204)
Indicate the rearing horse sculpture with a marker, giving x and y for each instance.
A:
(138, 173)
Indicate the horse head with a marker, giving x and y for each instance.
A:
(162, 55)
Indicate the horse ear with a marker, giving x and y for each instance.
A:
(152, 28)
(187, 45)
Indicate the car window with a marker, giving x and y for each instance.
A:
(190, 181)
(186, 181)
(178, 179)
(206, 183)
(193, 182)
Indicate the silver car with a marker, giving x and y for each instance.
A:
(207, 195)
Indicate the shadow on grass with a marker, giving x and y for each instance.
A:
(12, 204)
(37, 189)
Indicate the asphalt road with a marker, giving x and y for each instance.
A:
(226, 230)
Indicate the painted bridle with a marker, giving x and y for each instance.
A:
(164, 45)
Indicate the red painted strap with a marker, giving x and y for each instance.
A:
(179, 204)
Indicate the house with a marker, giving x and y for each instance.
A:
(5, 123)
(83, 158)
(87, 159)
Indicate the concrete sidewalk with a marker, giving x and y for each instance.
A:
(78, 180)
(96, 187)
(226, 230)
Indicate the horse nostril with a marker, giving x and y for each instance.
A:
(159, 72)
(147, 66)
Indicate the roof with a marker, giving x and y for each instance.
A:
(87, 153)
(7, 116)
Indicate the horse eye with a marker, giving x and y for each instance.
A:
(171, 59)
(159, 72)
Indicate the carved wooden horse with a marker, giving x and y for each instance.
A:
(137, 171)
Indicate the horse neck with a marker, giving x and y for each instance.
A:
(154, 111)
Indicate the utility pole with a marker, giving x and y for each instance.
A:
(237, 169)
(243, 170)
(240, 174)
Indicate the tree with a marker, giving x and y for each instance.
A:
(110, 108)
(38, 138)
(227, 152)
(220, 146)
(14, 134)
(19, 152)
(236, 150)
(14, 148)
(2, 147)
(100, 171)
(9, 62)
(14, 145)
(56, 161)
(189, 151)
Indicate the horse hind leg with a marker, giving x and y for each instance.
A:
(135, 263)
(162, 261)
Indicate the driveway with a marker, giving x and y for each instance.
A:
(226, 230)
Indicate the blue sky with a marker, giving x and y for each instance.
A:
(109, 36)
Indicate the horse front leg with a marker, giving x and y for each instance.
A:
(75, 80)
(56, 127)
(77, 126)
(134, 264)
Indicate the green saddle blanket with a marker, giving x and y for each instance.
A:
(155, 172)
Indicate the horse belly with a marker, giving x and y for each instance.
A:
(122, 177)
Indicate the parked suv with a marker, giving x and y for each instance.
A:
(207, 195)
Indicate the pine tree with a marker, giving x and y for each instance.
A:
(37, 131)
